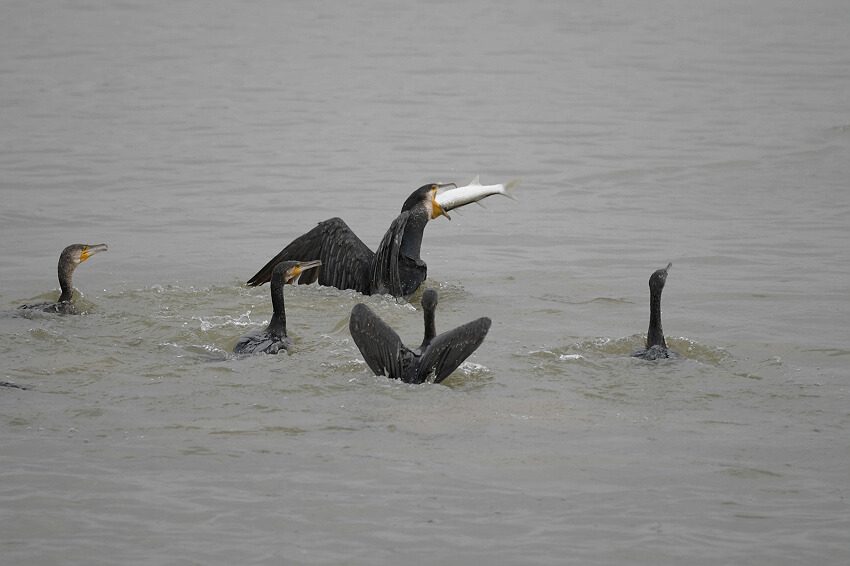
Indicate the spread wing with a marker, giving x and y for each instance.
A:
(385, 275)
(346, 260)
(448, 350)
(378, 343)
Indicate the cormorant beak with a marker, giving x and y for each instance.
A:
(436, 209)
(300, 268)
(89, 251)
(660, 274)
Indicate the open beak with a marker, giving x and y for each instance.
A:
(436, 209)
(91, 250)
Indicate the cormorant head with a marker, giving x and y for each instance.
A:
(429, 300)
(290, 270)
(424, 195)
(657, 279)
(75, 254)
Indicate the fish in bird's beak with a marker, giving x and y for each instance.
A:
(89, 251)
(436, 209)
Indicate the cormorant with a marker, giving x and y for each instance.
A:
(437, 355)
(273, 338)
(656, 347)
(347, 263)
(69, 259)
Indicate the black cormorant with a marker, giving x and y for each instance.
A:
(69, 259)
(273, 338)
(656, 347)
(347, 263)
(437, 355)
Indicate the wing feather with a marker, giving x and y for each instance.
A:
(448, 350)
(385, 273)
(378, 343)
(346, 260)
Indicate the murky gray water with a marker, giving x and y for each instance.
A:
(198, 139)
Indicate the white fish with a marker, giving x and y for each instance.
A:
(473, 192)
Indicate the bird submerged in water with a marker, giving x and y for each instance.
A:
(437, 355)
(656, 347)
(273, 338)
(347, 263)
(69, 259)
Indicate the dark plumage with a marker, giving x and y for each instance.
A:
(656, 347)
(437, 355)
(273, 338)
(347, 263)
(69, 259)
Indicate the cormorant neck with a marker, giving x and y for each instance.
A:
(655, 334)
(66, 271)
(411, 240)
(430, 327)
(277, 326)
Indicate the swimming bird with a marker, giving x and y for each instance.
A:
(69, 259)
(347, 263)
(656, 347)
(437, 355)
(273, 338)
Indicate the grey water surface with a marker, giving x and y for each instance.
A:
(198, 138)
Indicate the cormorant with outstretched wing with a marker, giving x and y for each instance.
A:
(437, 355)
(347, 263)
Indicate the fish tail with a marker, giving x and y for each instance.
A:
(510, 187)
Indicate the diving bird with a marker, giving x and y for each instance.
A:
(69, 259)
(656, 347)
(273, 338)
(347, 263)
(437, 355)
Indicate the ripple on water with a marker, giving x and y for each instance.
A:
(603, 348)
